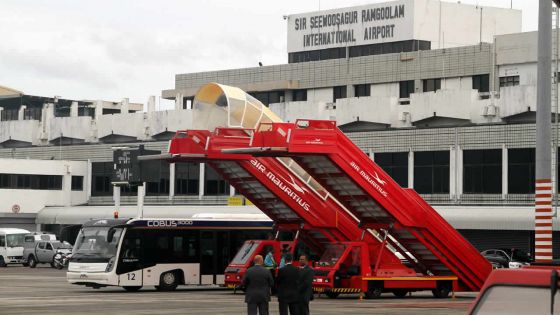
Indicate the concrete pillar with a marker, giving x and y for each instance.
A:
(171, 181)
(88, 179)
(231, 191)
(201, 181)
(151, 104)
(179, 101)
(21, 112)
(288, 96)
(98, 109)
(371, 154)
(74, 109)
(350, 91)
(124, 106)
(504, 171)
(459, 165)
(410, 168)
(67, 186)
(452, 173)
(418, 86)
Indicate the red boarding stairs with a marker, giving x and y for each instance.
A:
(281, 193)
(374, 197)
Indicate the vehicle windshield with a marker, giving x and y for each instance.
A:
(58, 245)
(15, 240)
(92, 241)
(244, 253)
(521, 256)
(332, 254)
(510, 300)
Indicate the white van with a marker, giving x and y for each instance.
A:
(11, 246)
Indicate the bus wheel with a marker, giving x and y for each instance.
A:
(332, 295)
(132, 288)
(400, 293)
(32, 261)
(2, 262)
(167, 281)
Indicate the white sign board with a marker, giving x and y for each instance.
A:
(362, 25)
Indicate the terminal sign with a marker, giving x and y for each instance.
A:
(385, 22)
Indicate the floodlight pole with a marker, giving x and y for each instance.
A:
(141, 194)
(543, 183)
(117, 198)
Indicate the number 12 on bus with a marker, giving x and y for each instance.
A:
(163, 253)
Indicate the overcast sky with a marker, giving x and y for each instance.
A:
(107, 49)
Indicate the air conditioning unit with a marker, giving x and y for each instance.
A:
(490, 110)
(404, 116)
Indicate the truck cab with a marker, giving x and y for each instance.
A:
(11, 246)
(244, 258)
(44, 252)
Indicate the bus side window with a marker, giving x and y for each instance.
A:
(29, 239)
(2, 241)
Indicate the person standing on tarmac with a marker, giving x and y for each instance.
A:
(257, 282)
(287, 286)
(305, 288)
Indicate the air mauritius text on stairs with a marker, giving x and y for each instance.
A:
(374, 180)
(283, 183)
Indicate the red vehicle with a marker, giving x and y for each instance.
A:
(243, 259)
(350, 267)
(529, 290)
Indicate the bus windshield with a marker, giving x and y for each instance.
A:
(15, 240)
(332, 254)
(244, 253)
(92, 241)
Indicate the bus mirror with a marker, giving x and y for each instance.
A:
(110, 235)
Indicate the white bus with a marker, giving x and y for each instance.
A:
(11, 246)
(163, 253)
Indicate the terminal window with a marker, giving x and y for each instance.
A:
(481, 83)
(521, 171)
(431, 172)
(187, 178)
(27, 181)
(395, 164)
(432, 85)
(77, 183)
(339, 92)
(362, 90)
(509, 81)
(482, 171)
(299, 95)
(406, 88)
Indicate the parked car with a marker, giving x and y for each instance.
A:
(43, 252)
(507, 258)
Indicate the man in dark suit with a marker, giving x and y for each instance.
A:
(288, 281)
(257, 282)
(305, 288)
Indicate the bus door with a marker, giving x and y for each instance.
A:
(129, 267)
(214, 258)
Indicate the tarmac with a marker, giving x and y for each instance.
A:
(44, 290)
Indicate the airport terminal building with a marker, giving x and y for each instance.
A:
(441, 95)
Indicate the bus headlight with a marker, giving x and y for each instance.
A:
(110, 264)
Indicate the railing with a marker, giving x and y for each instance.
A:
(161, 200)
